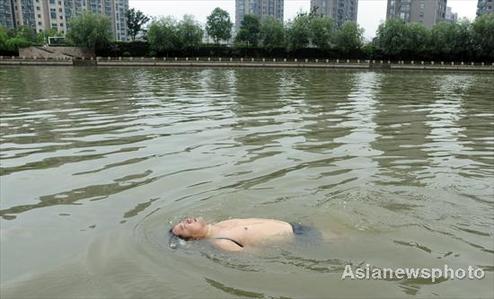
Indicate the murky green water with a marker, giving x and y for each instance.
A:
(396, 169)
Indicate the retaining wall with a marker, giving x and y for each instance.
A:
(230, 62)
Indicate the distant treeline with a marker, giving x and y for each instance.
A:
(308, 35)
(313, 36)
(144, 49)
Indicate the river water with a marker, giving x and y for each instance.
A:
(396, 169)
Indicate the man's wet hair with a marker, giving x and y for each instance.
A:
(179, 236)
(176, 240)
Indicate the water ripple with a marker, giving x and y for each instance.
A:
(394, 164)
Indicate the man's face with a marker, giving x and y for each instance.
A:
(190, 228)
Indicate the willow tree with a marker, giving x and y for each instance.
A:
(189, 32)
(299, 33)
(162, 35)
(323, 29)
(483, 35)
(272, 33)
(89, 30)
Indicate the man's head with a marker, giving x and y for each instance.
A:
(190, 229)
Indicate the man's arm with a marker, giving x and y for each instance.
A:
(226, 245)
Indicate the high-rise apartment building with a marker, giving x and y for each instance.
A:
(7, 17)
(56, 14)
(427, 12)
(260, 8)
(339, 10)
(485, 6)
(450, 15)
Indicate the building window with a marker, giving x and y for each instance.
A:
(39, 23)
(61, 17)
(37, 7)
(422, 5)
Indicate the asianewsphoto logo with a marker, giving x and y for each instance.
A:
(368, 272)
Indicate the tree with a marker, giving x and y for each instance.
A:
(404, 40)
(3, 38)
(483, 35)
(25, 32)
(463, 44)
(299, 31)
(16, 42)
(391, 38)
(443, 35)
(248, 33)
(314, 12)
(12, 40)
(163, 35)
(451, 40)
(42, 37)
(417, 41)
(89, 30)
(349, 37)
(135, 20)
(219, 25)
(322, 29)
(272, 33)
(189, 32)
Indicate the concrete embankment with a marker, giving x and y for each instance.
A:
(64, 62)
(55, 52)
(259, 63)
